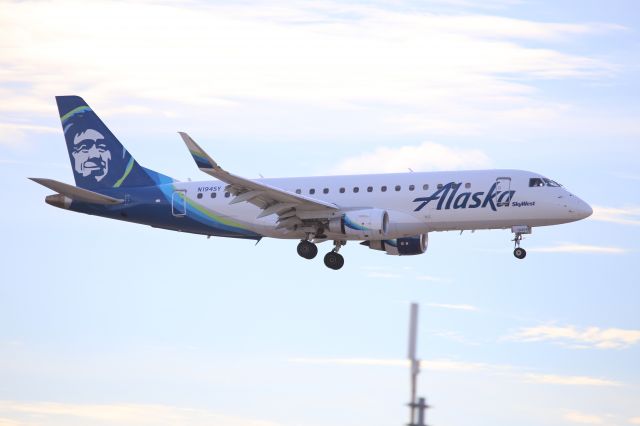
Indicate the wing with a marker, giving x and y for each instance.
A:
(291, 208)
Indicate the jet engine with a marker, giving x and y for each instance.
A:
(367, 223)
(401, 246)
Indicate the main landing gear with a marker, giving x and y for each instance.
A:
(332, 260)
(307, 249)
(519, 231)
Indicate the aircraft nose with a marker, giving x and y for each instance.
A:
(581, 209)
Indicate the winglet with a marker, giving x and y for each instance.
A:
(202, 159)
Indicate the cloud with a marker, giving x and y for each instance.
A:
(56, 413)
(579, 248)
(635, 420)
(623, 216)
(458, 72)
(578, 417)
(591, 337)
(455, 307)
(446, 365)
(13, 134)
(435, 365)
(426, 156)
(382, 274)
(553, 379)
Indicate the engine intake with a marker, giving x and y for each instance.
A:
(367, 223)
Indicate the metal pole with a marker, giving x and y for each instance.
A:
(415, 363)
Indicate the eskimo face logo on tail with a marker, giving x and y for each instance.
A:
(91, 154)
(448, 198)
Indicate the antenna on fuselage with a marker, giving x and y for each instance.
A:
(420, 406)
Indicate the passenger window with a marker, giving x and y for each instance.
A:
(325, 191)
(199, 194)
(412, 187)
(439, 186)
(342, 190)
(356, 189)
(398, 188)
(369, 188)
(298, 191)
(226, 195)
(535, 182)
(467, 185)
(425, 186)
(312, 191)
(213, 194)
(383, 188)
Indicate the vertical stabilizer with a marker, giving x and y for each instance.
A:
(98, 159)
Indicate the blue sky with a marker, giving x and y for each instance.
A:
(108, 323)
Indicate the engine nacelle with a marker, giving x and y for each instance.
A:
(367, 223)
(401, 246)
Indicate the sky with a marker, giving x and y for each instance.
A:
(110, 323)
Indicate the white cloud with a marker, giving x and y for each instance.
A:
(459, 73)
(578, 417)
(461, 307)
(623, 216)
(14, 134)
(591, 337)
(382, 274)
(56, 413)
(424, 157)
(579, 248)
(435, 365)
(517, 373)
(554, 379)
(635, 420)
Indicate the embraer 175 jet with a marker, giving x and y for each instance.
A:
(393, 213)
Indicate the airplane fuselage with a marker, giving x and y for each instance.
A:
(416, 203)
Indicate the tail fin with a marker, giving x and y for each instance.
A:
(98, 159)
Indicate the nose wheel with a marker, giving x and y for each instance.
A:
(518, 251)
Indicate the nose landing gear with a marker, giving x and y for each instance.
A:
(518, 251)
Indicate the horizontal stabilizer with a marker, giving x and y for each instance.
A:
(75, 193)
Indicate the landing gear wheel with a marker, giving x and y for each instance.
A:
(519, 252)
(307, 249)
(333, 260)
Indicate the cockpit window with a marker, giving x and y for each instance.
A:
(536, 182)
(552, 183)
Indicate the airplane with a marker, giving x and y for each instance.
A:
(392, 213)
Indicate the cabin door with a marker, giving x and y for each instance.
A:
(503, 184)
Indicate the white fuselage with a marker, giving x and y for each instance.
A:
(416, 203)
